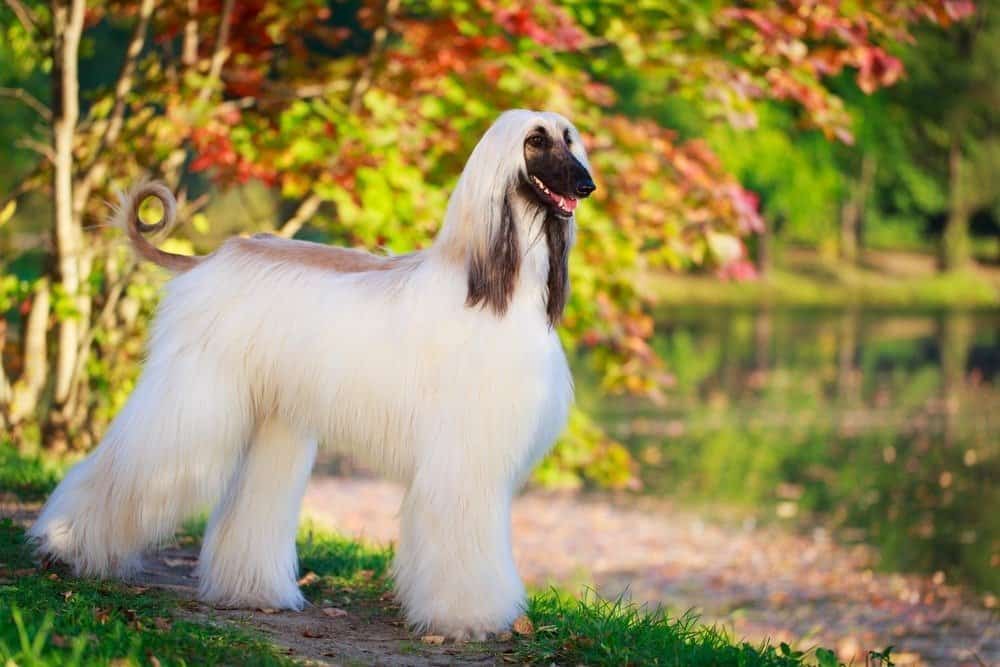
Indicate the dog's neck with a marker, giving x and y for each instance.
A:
(520, 250)
(545, 251)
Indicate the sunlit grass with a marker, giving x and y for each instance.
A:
(27, 477)
(842, 288)
(49, 618)
(595, 631)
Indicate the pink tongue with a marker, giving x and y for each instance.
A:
(569, 203)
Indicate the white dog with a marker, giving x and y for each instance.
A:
(440, 368)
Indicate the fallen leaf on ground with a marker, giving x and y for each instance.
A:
(435, 640)
(505, 636)
(59, 641)
(67, 595)
(334, 612)
(312, 634)
(524, 626)
(268, 610)
(138, 590)
(101, 615)
(154, 661)
(161, 623)
(309, 579)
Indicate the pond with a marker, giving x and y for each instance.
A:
(880, 427)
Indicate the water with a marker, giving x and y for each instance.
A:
(880, 427)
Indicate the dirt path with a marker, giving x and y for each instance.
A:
(761, 582)
(367, 635)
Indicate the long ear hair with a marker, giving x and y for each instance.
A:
(479, 227)
(559, 240)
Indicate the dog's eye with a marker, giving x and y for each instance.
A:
(538, 141)
(567, 138)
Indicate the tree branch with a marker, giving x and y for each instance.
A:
(24, 15)
(221, 51)
(306, 210)
(189, 49)
(22, 186)
(39, 147)
(364, 80)
(29, 100)
(117, 118)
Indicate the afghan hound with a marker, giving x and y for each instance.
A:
(440, 369)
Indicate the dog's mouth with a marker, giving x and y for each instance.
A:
(563, 204)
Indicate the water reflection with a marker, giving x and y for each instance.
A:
(882, 426)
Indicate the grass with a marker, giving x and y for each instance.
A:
(897, 280)
(27, 477)
(595, 631)
(49, 618)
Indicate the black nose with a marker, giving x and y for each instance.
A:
(584, 187)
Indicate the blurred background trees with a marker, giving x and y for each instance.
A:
(720, 134)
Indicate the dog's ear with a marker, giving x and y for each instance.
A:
(559, 239)
(493, 268)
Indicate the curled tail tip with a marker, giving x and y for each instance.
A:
(126, 213)
(126, 217)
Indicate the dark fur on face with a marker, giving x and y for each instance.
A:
(555, 180)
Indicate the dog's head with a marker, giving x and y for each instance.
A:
(555, 171)
(524, 179)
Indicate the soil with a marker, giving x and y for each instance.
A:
(370, 633)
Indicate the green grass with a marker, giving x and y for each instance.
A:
(898, 280)
(48, 618)
(27, 477)
(595, 631)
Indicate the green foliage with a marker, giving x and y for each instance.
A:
(595, 631)
(586, 455)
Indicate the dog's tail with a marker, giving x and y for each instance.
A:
(126, 217)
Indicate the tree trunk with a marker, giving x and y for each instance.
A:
(67, 24)
(955, 246)
(28, 388)
(853, 210)
(764, 251)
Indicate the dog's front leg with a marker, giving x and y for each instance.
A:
(454, 569)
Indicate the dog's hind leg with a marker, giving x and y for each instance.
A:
(167, 455)
(248, 558)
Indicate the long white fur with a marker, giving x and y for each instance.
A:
(251, 362)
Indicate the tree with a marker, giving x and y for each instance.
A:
(359, 116)
(949, 140)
